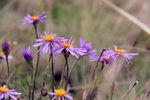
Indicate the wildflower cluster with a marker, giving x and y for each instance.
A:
(110, 56)
(51, 45)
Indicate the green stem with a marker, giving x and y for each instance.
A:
(67, 79)
(52, 65)
(7, 66)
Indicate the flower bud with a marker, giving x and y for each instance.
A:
(6, 48)
(27, 55)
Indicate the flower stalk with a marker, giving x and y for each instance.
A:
(37, 62)
(6, 50)
(93, 74)
(45, 76)
(30, 89)
(67, 65)
(52, 65)
(8, 71)
(129, 90)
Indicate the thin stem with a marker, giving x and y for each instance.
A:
(112, 90)
(30, 88)
(52, 65)
(7, 66)
(74, 64)
(35, 28)
(69, 71)
(129, 90)
(95, 82)
(93, 74)
(62, 75)
(45, 76)
(7, 71)
(66, 58)
(102, 67)
(37, 63)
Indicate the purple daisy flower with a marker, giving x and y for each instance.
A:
(27, 55)
(3, 57)
(61, 94)
(5, 93)
(105, 59)
(48, 41)
(34, 19)
(87, 47)
(68, 47)
(121, 52)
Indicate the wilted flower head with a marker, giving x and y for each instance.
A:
(67, 47)
(3, 57)
(87, 47)
(6, 48)
(27, 55)
(61, 94)
(114, 54)
(5, 93)
(47, 41)
(34, 19)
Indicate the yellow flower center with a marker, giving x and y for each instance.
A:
(34, 17)
(67, 45)
(1, 54)
(119, 50)
(49, 38)
(3, 90)
(71, 46)
(60, 93)
(106, 59)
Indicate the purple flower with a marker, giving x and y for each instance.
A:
(47, 41)
(60, 94)
(3, 57)
(69, 48)
(87, 47)
(27, 55)
(105, 59)
(5, 93)
(114, 54)
(6, 48)
(34, 19)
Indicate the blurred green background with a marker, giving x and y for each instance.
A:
(90, 19)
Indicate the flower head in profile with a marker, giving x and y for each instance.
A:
(114, 54)
(46, 42)
(67, 47)
(3, 57)
(34, 19)
(87, 47)
(6, 93)
(61, 94)
(27, 55)
(105, 59)
(6, 48)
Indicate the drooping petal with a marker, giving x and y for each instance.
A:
(14, 98)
